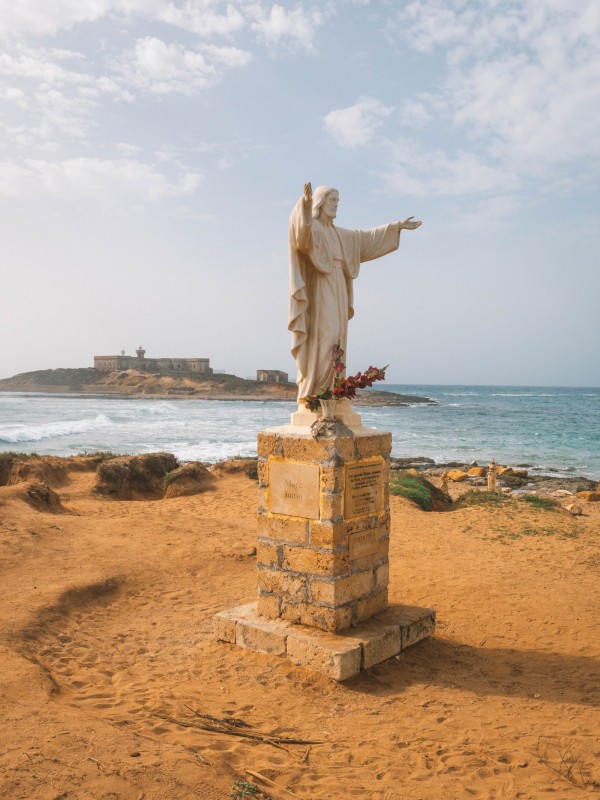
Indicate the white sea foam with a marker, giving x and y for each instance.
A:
(52, 430)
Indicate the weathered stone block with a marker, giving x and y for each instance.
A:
(305, 448)
(382, 576)
(332, 479)
(283, 529)
(343, 449)
(416, 628)
(268, 555)
(268, 444)
(363, 543)
(365, 609)
(379, 642)
(268, 605)
(331, 506)
(263, 472)
(373, 560)
(374, 444)
(261, 636)
(337, 658)
(314, 562)
(277, 582)
(224, 627)
(262, 500)
(328, 619)
(341, 590)
(327, 534)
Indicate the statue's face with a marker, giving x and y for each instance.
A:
(329, 207)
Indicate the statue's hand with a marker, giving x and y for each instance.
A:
(308, 194)
(409, 224)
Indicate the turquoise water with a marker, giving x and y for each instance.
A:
(555, 430)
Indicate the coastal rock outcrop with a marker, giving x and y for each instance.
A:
(135, 477)
(457, 475)
(590, 497)
(41, 497)
(188, 480)
(249, 466)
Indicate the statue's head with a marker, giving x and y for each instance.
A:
(325, 202)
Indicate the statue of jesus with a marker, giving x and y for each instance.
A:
(324, 260)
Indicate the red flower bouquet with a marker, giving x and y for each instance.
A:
(344, 387)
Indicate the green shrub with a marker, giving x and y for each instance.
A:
(479, 498)
(539, 502)
(410, 487)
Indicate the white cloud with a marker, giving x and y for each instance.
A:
(128, 150)
(278, 25)
(426, 24)
(52, 91)
(485, 215)
(415, 170)
(43, 17)
(40, 17)
(203, 18)
(523, 76)
(415, 113)
(357, 124)
(162, 68)
(41, 64)
(228, 56)
(111, 181)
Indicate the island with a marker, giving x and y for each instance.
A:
(138, 383)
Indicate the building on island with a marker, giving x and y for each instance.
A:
(140, 362)
(271, 376)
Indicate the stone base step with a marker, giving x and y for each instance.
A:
(338, 655)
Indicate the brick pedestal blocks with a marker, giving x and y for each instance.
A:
(323, 525)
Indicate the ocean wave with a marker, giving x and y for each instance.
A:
(523, 394)
(52, 430)
(143, 411)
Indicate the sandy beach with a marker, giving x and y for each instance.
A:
(107, 646)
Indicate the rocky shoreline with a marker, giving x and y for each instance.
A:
(518, 478)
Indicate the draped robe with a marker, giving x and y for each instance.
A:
(321, 296)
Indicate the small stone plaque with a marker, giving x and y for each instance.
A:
(363, 543)
(364, 488)
(294, 489)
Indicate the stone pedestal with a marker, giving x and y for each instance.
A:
(322, 553)
(323, 525)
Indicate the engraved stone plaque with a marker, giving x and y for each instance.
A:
(364, 488)
(294, 489)
(363, 543)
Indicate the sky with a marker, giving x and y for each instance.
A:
(151, 152)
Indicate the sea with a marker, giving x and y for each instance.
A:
(555, 431)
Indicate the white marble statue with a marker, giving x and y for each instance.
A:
(324, 260)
